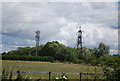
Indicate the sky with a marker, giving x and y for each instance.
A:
(59, 21)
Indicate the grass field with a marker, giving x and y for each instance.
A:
(33, 66)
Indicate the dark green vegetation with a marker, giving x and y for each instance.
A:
(112, 75)
(53, 51)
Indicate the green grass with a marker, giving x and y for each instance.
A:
(33, 66)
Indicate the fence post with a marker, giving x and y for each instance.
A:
(49, 76)
(80, 76)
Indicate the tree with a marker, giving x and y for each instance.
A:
(3, 53)
(101, 50)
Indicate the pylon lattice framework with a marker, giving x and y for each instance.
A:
(79, 40)
(37, 37)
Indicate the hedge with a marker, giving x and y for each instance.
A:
(28, 58)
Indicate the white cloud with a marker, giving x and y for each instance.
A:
(30, 41)
(96, 33)
(58, 21)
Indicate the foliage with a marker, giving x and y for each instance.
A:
(5, 75)
(96, 76)
(54, 51)
(101, 50)
(112, 75)
(29, 58)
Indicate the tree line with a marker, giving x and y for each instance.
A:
(54, 51)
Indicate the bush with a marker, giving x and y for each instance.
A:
(112, 75)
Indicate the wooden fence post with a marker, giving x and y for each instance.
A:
(80, 76)
(49, 76)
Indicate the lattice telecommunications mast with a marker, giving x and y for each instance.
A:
(79, 40)
(37, 38)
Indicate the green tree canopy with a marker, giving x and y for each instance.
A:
(101, 50)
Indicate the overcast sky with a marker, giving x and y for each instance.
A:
(58, 21)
